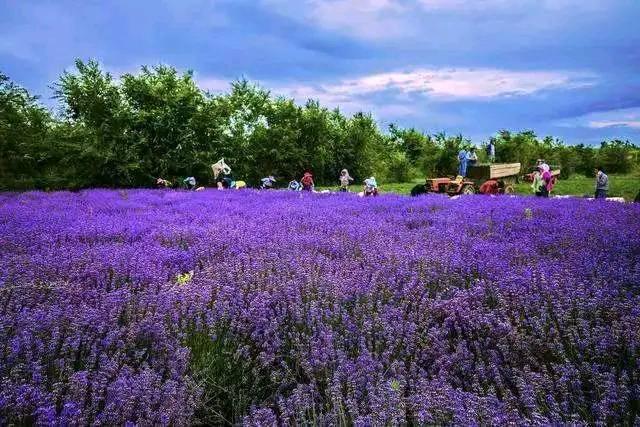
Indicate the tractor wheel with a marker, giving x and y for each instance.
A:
(468, 189)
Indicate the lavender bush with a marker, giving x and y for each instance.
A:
(169, 307)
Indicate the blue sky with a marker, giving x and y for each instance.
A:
(568, 68)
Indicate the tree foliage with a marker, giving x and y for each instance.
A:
(126, 131)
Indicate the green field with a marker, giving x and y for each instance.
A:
(626, 186)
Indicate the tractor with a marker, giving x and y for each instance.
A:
(505, 173)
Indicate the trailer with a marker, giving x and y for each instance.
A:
(506, 174)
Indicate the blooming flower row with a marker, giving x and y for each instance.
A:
(171, 307)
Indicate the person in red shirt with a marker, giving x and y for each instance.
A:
(307, 182)
(491, 187)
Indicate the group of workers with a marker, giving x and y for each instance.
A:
(222, 178)
(306, 183)
(544, 181)
(467, 157)
(543, 178)
(542, 185)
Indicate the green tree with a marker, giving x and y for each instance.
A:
(158, 122)
(162, 106)
(24, 126)
(93, 105)
(412, 142)
(615, 156)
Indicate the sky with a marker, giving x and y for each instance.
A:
(567, 68)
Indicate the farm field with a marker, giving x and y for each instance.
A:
(263, 308)
(626, 186)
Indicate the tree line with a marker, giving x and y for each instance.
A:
(127, 131)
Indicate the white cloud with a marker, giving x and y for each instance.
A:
(635, 124)
(510, 5)
(464, 4)
(625, 118)
(399, 89)
(366, 19)
(445, 84)
(375, 20)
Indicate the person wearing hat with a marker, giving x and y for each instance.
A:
(190, 183)
(294, 185)
(267, 183)
(547, 180)
(542, 165)
(307, 181)
(162, 183)
(462, 162)
(491, 150)
(345, 179)
(370, 187)
(221, 171)
(602, 183)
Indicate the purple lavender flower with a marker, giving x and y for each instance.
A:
(171, 307)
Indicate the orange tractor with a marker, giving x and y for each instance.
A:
(505, 174)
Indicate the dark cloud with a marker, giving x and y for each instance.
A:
(289, 44)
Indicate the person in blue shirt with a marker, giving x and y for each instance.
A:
(462, 162)
(472, 157)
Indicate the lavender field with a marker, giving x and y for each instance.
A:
(265, 308)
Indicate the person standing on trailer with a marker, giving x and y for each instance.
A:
(462, 162)
(472, 157)
(491, 151)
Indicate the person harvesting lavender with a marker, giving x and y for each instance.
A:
(547, 182)
(537, 183)
(307, 181)
(370, 187)
(602, 183)
(267, 183)
(345, 180)
(220, 171)
(189, 183)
